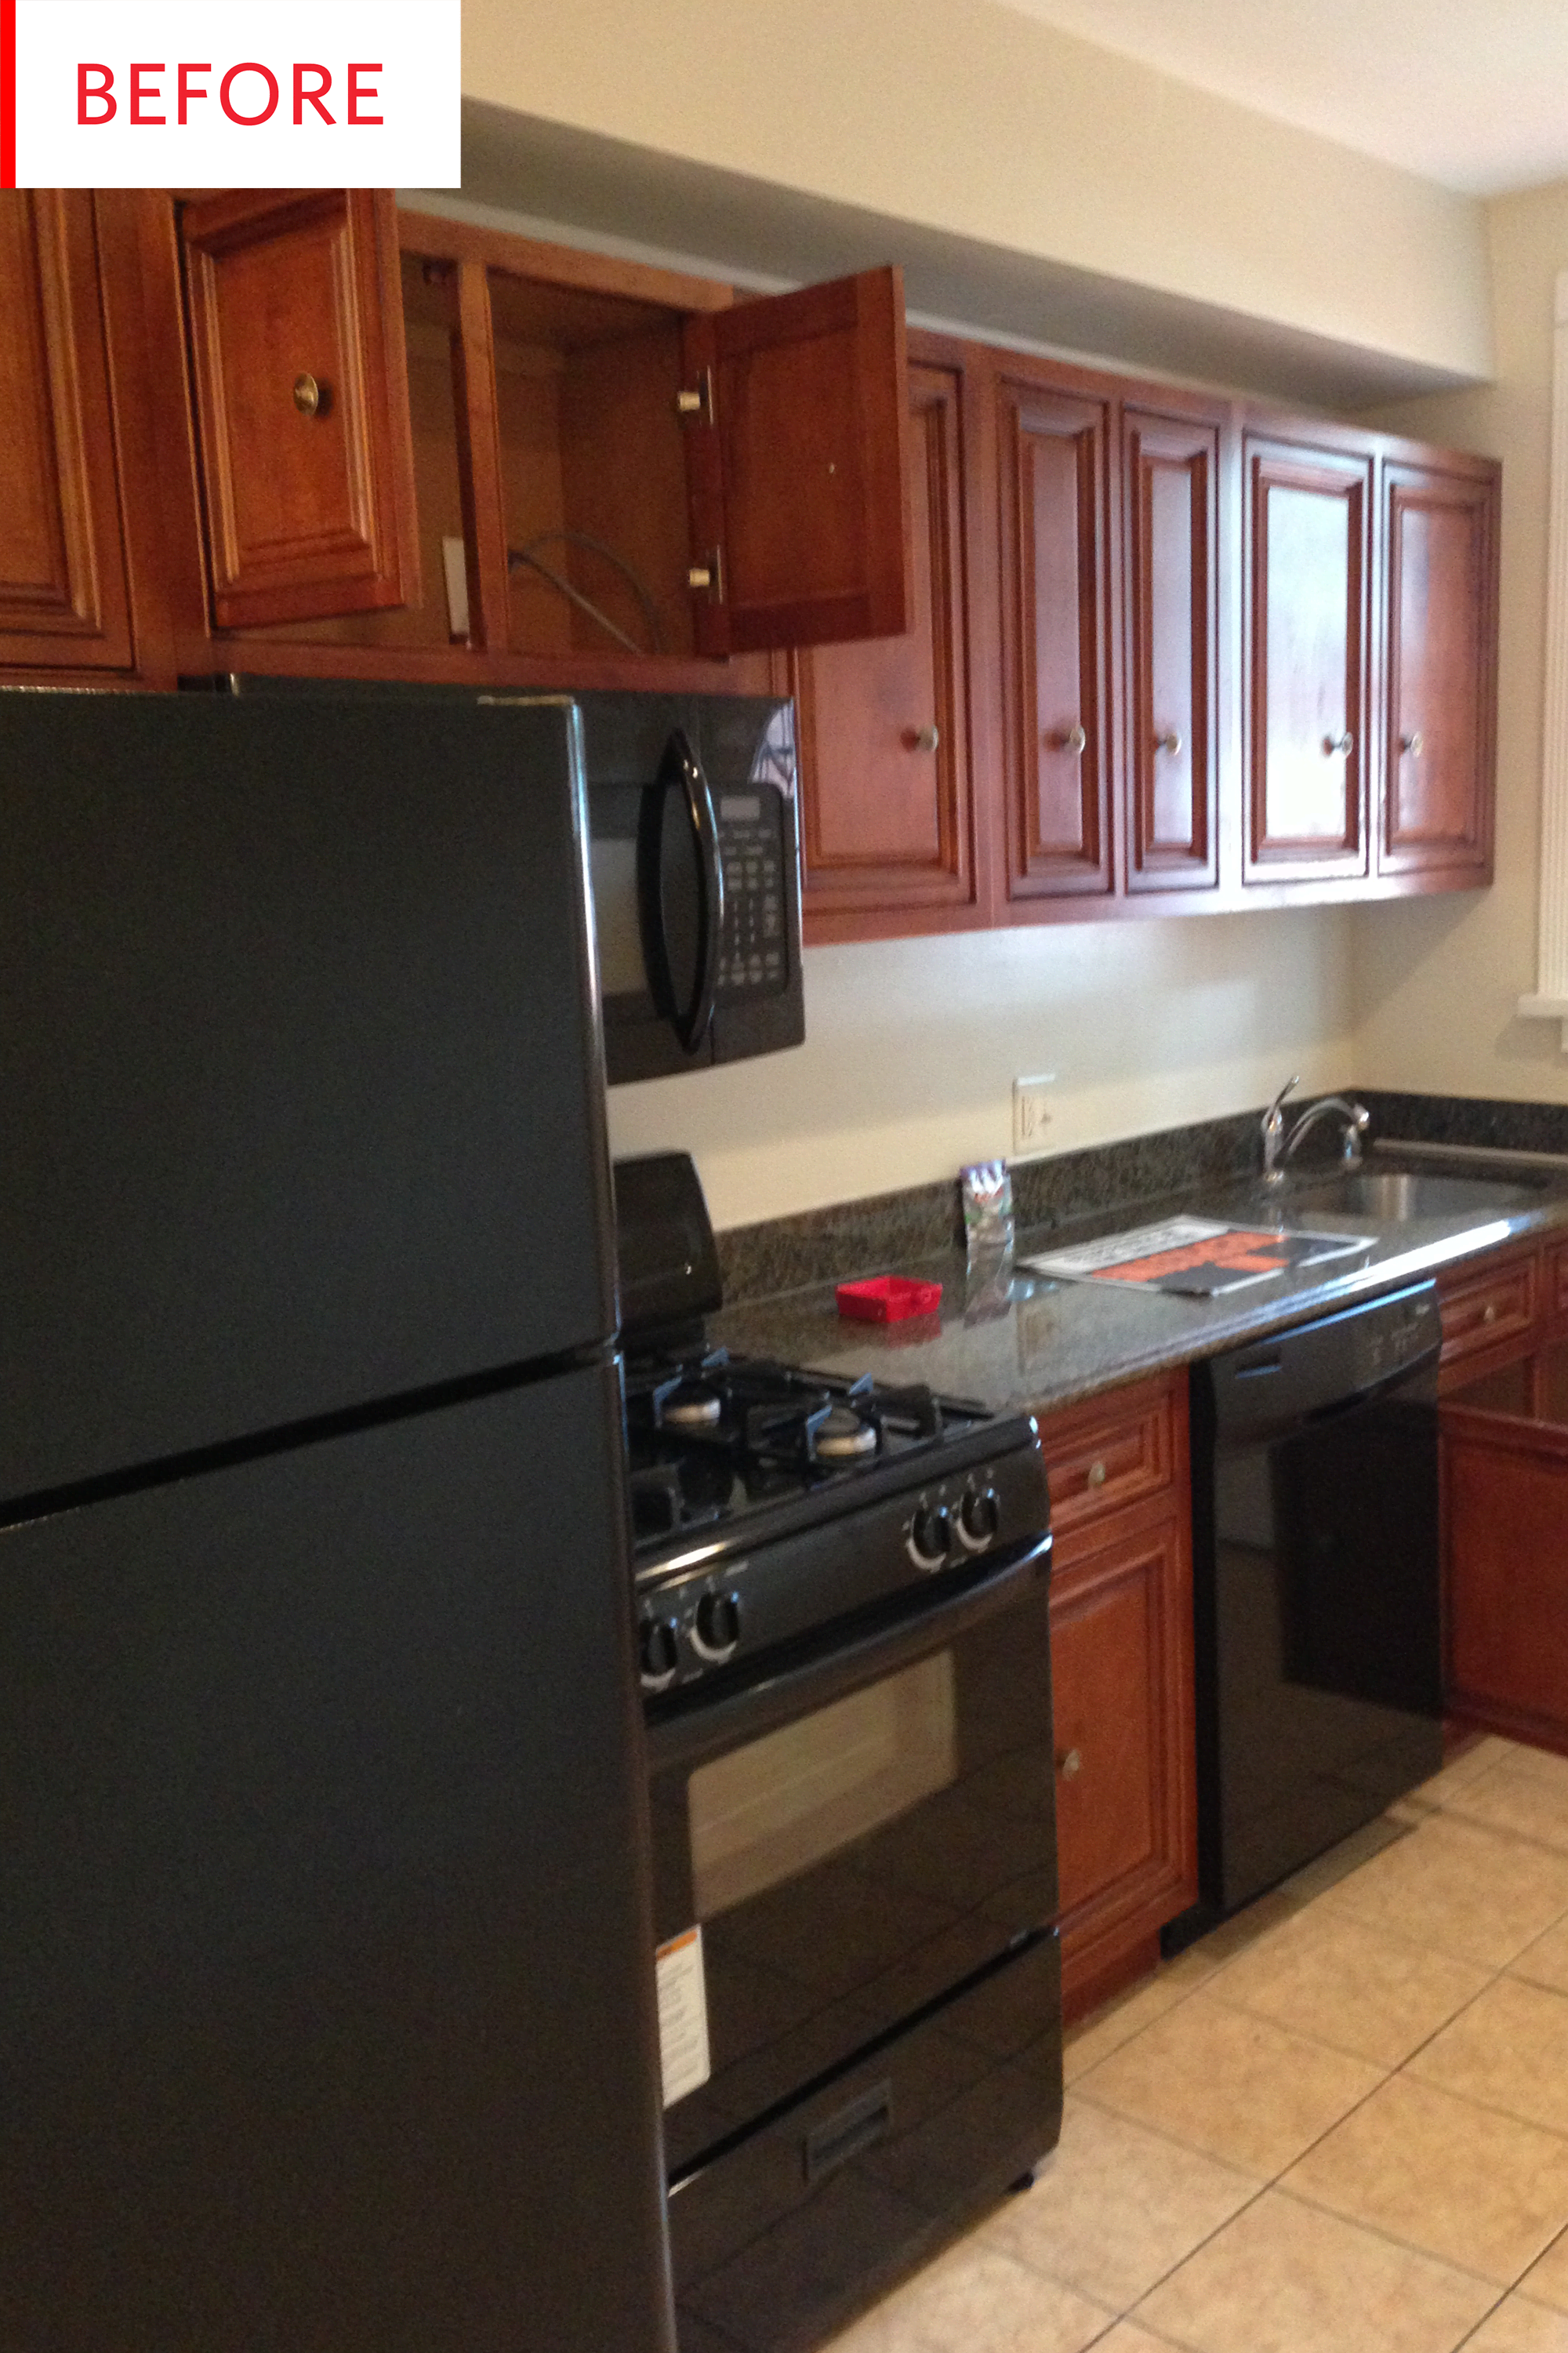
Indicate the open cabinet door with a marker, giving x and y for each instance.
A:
(796, 466)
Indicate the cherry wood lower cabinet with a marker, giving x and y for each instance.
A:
(1504, 1455)
(1121, 1676)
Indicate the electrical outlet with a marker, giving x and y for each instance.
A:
(1031, 1114)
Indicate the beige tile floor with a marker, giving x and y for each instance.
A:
(1340, 2124)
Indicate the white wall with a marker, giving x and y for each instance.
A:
(1436, 980)
(912, 1046)
(979, 121)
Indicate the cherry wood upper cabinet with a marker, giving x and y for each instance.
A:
(1055, 601)
(63, 593)
(301, 395)
(1440, 534)
(797, 467)
(1171, 584)
(1308, 521)
(885, 761)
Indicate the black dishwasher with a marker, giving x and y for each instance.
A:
(1317, 1649)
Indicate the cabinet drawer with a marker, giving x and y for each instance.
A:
(1485, 1310)
(1113, 1452)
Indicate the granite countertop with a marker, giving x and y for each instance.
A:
(1037, 1342)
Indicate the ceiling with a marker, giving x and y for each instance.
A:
(1470, 93)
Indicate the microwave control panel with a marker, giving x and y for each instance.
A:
(753, 959)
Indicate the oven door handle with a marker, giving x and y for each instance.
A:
(835, 1667)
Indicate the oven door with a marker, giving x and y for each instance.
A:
(850, 1837)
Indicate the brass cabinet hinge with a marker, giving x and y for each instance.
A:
(697, 400)
(708, 577)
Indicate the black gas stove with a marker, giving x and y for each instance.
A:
(844, 1617)
(769, 1500)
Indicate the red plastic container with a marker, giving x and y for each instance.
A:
(888, 1298)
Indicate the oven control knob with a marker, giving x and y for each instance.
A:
(716, 1628)
(659, 1653)
(979, 1517)
(931, 1534)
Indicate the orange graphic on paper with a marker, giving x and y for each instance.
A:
(1246, 1253)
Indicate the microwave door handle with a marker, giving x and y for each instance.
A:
(699, 1018)
(835, 1666)
(680, 772)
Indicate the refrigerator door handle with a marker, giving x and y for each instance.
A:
(680, 770)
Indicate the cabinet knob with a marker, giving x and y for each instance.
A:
(1097, 1474)
(1488, 1312)
(922, 738)
(1411, 744)
(1170, 741)
(310, 398)
(1071, 739)
(1070, 1765)
(1333, 743)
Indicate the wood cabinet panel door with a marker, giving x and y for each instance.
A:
(886, 774)
(63, 599)
(1054, 562)
(1308, 516)
(1170, 576)
(301, 391)
(1438, 758)
(1505, 1538)
(1121, 1680)
(797, 469)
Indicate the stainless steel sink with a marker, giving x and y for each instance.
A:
(1395, 1197)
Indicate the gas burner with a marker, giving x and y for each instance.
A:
(842, 1436)
(688, 1405)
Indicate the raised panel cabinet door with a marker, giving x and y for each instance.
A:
(1121, 1684)
(1169, 578)
(1442, 656)
(63, 600)
(1505, 1542)
(1309, 515)
(884, 725)
(301, 395)
(797, 412)
(1055, 671)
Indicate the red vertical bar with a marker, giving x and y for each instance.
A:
(7, 94)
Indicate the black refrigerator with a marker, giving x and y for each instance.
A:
(326, 2003)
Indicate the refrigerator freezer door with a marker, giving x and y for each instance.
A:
(325, 1947)
(300, 1073)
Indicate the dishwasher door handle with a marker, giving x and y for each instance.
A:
(1398, 1378)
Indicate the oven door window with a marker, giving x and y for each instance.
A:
(761, 1814)
(856, 1856)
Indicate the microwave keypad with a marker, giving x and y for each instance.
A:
(753, 955)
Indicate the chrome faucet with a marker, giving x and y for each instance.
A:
(1278, 1146)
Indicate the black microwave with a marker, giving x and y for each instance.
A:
(695, 859)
